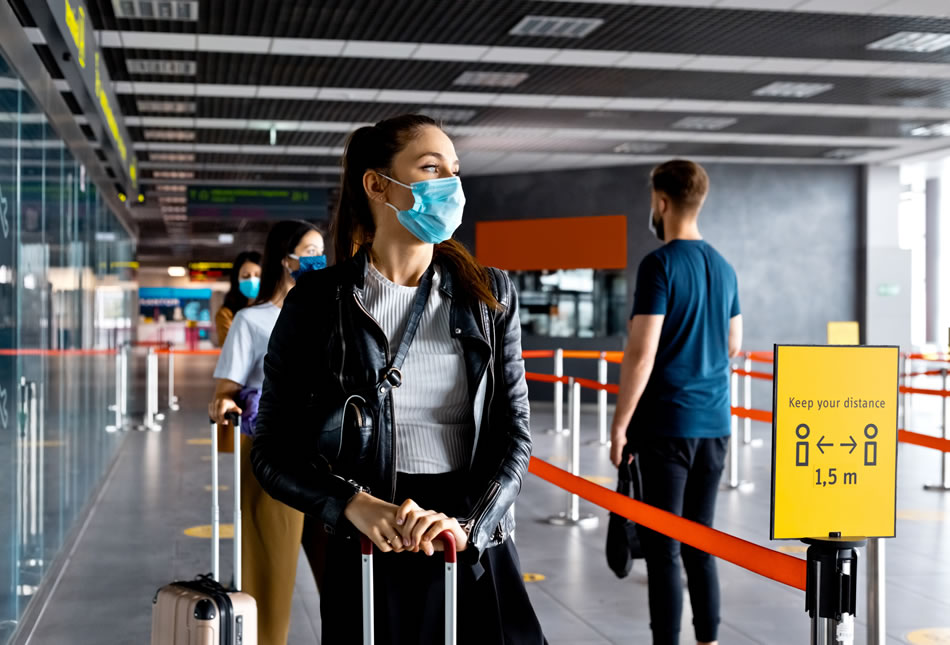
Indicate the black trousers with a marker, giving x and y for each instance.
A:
(681, 476)
(493, 604)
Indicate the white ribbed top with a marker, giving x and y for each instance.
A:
(434, 423)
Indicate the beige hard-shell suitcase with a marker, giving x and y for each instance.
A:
(202, 611)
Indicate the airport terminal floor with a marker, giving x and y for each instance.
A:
(134, 540)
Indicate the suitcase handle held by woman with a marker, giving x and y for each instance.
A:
(451, 588)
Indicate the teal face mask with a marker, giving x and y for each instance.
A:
(250, 287)
(436, 210)
(308, 263)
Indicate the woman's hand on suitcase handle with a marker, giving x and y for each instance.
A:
(219, 408)
(375, 519)
(420, 528)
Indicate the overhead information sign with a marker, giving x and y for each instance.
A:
(228, 202)
(834, 442)
(70, 35)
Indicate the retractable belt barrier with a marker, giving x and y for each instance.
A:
(777, 566)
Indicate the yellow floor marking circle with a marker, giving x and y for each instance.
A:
(533, 577)
(208, 488)
(199, 442)
(793, 549)
(921, 515)
(599, 479)
(931, 636)
(204, 531)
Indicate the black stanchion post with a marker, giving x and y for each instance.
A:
(831, 589)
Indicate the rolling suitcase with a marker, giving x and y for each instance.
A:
(451, 589)
(202, 611)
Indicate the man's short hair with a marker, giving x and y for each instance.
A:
(684, 182)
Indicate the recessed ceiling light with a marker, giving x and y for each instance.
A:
(555, 27)
(918, 42)
(491, 79)
(177, 272)
(845, 153)
(639, 147)
(187, 157)
(705, 123)
(161, 67)
(156, 9)
(170, 135)
(173, 174)
(167, 199)
(451, 115)
(225, 238)
(174, 210)
(933, 130)
(171, 188)
(168, 107)
(793, 90)
(175, 218)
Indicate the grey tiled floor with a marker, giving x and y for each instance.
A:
(134, 543)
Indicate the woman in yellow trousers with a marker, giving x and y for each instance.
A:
(272, 531)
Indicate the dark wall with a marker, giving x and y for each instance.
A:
(791, 232)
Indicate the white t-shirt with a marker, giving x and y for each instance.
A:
(242, 357)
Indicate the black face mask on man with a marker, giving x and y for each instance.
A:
(656, 227)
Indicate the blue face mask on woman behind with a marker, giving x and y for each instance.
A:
(308, 263)
(436, 210)
(250, 287)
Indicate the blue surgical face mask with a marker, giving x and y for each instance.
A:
(250, 287)
(308, 263)
(436, 210)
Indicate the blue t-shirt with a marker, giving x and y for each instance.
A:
(689, 283)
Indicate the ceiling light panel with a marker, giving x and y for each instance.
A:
(846, 153)
(161, 67)
(555, 27)
(173, 174)
(170, 135)
(450, 115)
(171, 188)
(156, 9)
(918, 42)
(933, 130)
(491, 79)
(175, 157)
(709, 123)
(793, 90)
(166, 107)
(165, 200)
(639, 147)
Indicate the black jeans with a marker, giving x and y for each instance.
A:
(681, 476)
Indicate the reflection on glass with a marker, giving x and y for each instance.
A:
(64, 285)
(580, 303)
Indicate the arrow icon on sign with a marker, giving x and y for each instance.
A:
(853, 444)
(820, 444)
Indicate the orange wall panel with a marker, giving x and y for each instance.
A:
(597, 242)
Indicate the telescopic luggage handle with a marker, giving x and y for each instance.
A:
(235, 420)
(451, 588)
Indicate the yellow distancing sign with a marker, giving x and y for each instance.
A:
(204, 531)
(934, 636)
(834, 442)
(844, 332)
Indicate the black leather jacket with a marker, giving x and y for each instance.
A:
(325, 341)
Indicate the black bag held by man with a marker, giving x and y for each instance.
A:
(346, 437)
(623, 543)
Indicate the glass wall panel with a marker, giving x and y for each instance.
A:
(67, 297)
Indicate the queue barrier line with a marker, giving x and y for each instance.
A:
(190, 352)
(765, 376)
(917, 390)
(930, 358)
(58, 352)
(924, 440)
(537, 353)
(928, 373)
(777, 566)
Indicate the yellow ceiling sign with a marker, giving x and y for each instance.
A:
(76, 22)
(834, 448)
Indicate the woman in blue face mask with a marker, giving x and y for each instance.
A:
(431, 342)
(272, 531)
(245, 283)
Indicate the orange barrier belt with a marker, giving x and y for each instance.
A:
(917, 390)
(616, 356)
(765, 376)
(930, 373)
(57, 352)
(758, 559)
(595, 385)
(925, 440)
(190, 352)
(537, 353)
(544, 378)
(756, 415)
(933, 358)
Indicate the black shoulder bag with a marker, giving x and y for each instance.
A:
(623, 543)
(347, 436)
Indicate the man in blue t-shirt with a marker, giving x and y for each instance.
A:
(673, 405)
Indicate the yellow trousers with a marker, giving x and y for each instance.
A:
(272, 533)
